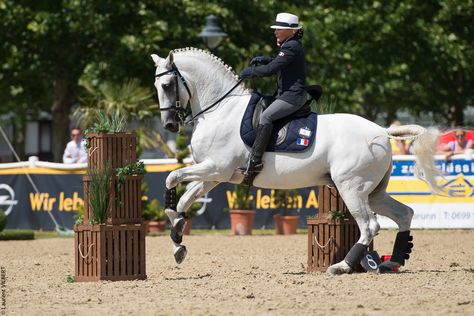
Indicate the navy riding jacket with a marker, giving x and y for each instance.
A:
(290, 67)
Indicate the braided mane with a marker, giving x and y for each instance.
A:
(199, 52)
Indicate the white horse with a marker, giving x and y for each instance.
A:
(350, 152)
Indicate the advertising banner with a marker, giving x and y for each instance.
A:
(453, 210)
(60, 193)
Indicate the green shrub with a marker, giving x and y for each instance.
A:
(243, 200)
(79, 217)
(336, 215)
(16, 234)
(153, 211)
(284, 199)
(3, 220)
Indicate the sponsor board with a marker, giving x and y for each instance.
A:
(61, 194)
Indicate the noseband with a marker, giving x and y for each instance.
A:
(180, 111)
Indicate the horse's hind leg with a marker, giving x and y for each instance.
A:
(385, 205)
(355, 196)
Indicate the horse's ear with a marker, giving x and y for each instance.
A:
(169, 60)
(156, 59)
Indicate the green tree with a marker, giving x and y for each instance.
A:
(378, 57)
(372, 57)
(47, 46)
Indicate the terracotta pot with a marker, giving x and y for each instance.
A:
(278, 223)
(286, 225)
(156, 226)
(241, 221)
(187, 228)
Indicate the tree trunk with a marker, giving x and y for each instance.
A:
(63, 98)
(455, 115)
(18, 141)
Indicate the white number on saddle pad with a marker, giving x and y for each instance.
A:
(305, 132)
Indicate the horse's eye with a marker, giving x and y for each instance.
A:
(165, 85)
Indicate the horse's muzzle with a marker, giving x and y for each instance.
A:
(172, 127)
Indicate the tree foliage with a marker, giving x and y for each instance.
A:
(372, 57)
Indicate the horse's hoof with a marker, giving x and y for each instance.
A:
(180, 254)
(388, 266)
(339, 268)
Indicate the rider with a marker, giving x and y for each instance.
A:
(290, 67)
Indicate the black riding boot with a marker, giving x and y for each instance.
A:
(255, 165)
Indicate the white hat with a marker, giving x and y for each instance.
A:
(286, 21)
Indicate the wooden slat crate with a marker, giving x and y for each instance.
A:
(109, 252)
(126, 209)
(329, 199)
(114, 149)
(329, 240)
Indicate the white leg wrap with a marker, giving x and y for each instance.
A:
(339, 268)
(172, 215)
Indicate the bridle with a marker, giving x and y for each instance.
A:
(180, 111)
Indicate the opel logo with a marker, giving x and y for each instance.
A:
(7, 199)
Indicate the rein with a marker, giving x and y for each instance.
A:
(181, 112)
(215, 103)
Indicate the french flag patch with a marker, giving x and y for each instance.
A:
(302, 142)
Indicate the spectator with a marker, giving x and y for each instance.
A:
(457, 146)
(400, 146)
(75, 151)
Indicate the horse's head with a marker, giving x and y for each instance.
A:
(173, 92)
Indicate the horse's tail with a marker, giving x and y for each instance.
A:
(424, 142)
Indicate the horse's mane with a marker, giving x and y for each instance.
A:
(226, 69)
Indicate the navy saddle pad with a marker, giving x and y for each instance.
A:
(295, 133)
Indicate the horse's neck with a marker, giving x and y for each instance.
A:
(210, 79)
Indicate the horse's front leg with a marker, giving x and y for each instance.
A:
(177, 217)
(204, 171)
(357, 202)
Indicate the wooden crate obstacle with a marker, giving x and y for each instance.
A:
(329, 240)
(115, 149)
(115, 250)
(110, 252)
(124, 206)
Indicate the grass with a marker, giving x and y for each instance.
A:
(99, 193)
(207, 232)
(48, 234)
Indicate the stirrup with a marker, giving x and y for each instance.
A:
(250, 173)
(251, 168)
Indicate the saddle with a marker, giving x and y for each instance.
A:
(295, 133)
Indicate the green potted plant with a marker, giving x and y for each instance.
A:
(241, 211)
(285, 223)
(154, 216)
